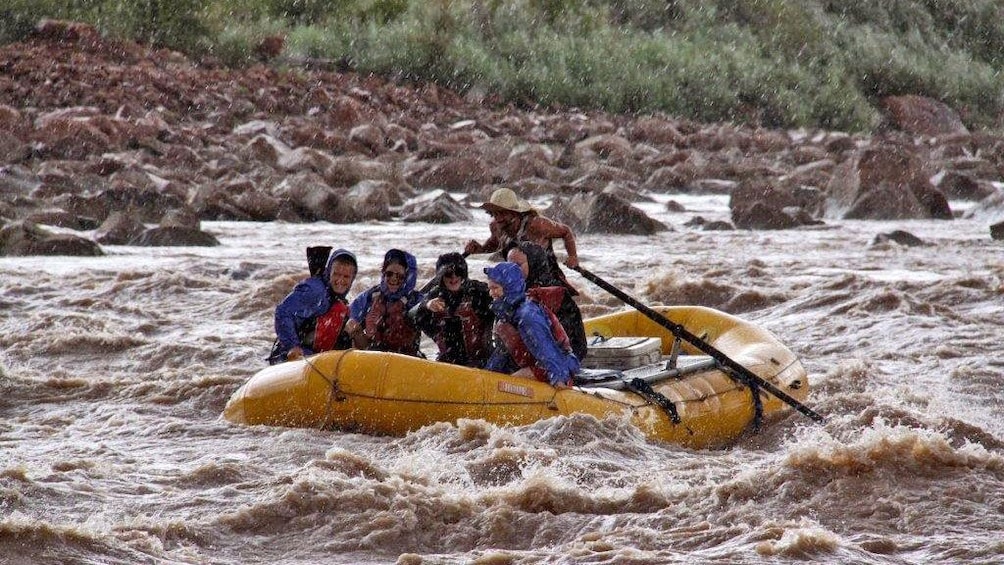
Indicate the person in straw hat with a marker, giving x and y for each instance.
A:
(515, 220)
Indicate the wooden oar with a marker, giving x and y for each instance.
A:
(679, 331)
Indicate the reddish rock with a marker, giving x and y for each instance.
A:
(887, 181)
(922, 115)
(22, 239)
(118, 229)
(175, 236)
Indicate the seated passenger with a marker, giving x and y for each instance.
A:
(457, 314)
(546, 283)
(312, 317)
(379, 319)
(528, 334)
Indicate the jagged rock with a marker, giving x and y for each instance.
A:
(997, 231)
(955, 184)
(102, 134)
(181, 218)
(304, 159)
(923, 115)
(23, 239)
(62, 219)
(119, 228)
(371, 200)
(369, 136)
(608, 213)
(12, 148)
(174, 236)
(899, 236)
(717, 225)
(436, 207)
(312, 199)
(267, 149)
(656, 131)
(666, 179)
(530, 160)
(456, 173)
(148, 203)
(17, 180)
(256, 206)
(884, 182)
(765, 205)
(608, 148)
(763, 216)
(349, 171)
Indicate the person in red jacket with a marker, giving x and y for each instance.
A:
(529, 335)
(379, 316)
(312, 317)
(546, 284)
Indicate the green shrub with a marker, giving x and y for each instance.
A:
(780, 62)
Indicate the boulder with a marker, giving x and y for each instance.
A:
(765, 205)
(371, 200)
(612, 149)
(22, 239)
(884, 182)
(181, 218)
(266, 149)
(899, 236)
(763, 216)
(608, 213)
(962, 186)
(369, 136)
(61, 218)
(312, 199)
(119, 228)
(922, 115)
(348, 171)
(17, 180)
(12, 148)
(304, 159)
(435, 207)
(455, 173)
(174, 237)
(530, 160)
(997, 231)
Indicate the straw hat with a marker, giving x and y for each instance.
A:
(506, 199)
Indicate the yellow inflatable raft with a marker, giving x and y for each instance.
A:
(689, 399)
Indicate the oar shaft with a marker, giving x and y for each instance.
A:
(716, 354)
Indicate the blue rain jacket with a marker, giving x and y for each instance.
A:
(533, 324)
(310, 298)
(361, 305)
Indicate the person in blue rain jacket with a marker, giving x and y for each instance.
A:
(529, 336)
(379, 318)
(312, 317)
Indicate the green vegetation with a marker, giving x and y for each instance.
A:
(782, 63)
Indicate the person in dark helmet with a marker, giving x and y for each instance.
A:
(457, 314)
(546, 283)
(379, 316)
(514, 220)
(312, 317)
(529, 335)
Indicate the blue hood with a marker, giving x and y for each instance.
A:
(510, 277)
(398, 256)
